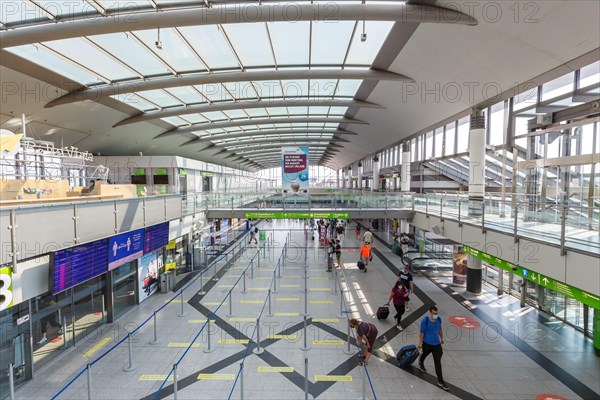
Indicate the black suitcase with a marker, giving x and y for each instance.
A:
(407, 355)
(360, 265)
(383, 312)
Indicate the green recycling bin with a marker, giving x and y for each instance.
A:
(262, 235)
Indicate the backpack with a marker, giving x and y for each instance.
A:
(255, 230)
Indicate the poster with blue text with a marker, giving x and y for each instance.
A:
(294, 168)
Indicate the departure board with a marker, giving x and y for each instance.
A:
(79, 264)
(155, 237)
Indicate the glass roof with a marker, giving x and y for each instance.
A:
(134, 56)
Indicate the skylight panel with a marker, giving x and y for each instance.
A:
(365, 52)
(290, 42)
(125, 48)
(47, 59)
(90, 57)
(159, 97)
(120, 5)
(214, 92)
(135, 101)
(194, 118)
(215, 116)
(348, 87)
(176, 121)
(19, 11)
(257, 112)
(330, 41)
(210, 43)
(174, 51)
(251, 43)
(298, 110)
(322, 87)
(295, 88)
(241, 90)
(187, 94)
(267, 89)
(235, 114)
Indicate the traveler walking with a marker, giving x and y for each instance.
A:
(399, 295)
(431, 339)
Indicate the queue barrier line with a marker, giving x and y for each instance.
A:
(65, 387)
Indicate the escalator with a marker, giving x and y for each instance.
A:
(416, 260)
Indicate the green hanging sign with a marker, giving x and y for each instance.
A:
(298, 215)
(532, 276)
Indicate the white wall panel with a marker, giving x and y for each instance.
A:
(583, 272)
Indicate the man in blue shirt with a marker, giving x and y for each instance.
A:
(431, 339)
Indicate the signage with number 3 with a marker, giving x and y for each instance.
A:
(6, 295)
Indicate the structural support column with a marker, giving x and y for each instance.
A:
(360, 170)
(474, 275)
(596, 329)
(405, 168)
(375, 173)
(343, 178)
(350, 177)
(476, 162)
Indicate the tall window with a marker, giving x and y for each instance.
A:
(438, 142)
(450, 139)
(496, 127)
(463, 135)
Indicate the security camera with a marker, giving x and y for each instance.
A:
(158, 44)
(363, 37)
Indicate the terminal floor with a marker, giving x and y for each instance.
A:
(514, 354)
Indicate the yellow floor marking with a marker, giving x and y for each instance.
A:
(285, 337)
(333, 378)
(321, 302)
(289, 286)
(288, 299)
(286, 267)
(240, 319)
(259, 289)
(151, 377)
(216, 377)
(200, 321)
(319, 278)
(233, 341)
(329, 341)
(275, 369)
(252, 301)
(173, 301)
(286, 314)
(321, 289)
(326, 320)
(185, 345)
(291, 276)
(228, 286)
(96, 347)
(264, 278)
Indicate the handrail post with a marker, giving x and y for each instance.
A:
(202, 292)
(175, 381)
(563, 225)
(341, 314)
(515, 225)
(215, 279)
(209, 349)
(244, 291)
(426, 206)
(305, 378)
(459, 212)
(483, 216)
(155, 341)
(89, 382)
(306, 347)
(258, 349)
(270, 312)
(347, 350)
(274, 282)
(241, 381)
(230, 314)
(182, 313)
(130, 367)
(11, 380)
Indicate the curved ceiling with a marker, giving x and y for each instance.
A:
(229, 82)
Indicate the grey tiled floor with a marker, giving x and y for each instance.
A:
(478, 364)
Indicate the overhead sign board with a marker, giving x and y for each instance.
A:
(533, 276)
(298, 215)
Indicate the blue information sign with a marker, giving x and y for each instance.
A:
(78, 264)
(125, 247)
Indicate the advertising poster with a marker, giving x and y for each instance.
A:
(294, 168)
(125, 248)
(148, 275)
(459, 274)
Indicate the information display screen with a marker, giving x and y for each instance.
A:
(155, 237)
(78, 264)
(125, 247)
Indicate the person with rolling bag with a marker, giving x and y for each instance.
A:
(399, 295)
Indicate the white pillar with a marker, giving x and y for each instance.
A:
(476, 162)
(405, 168)
(337, 179)
(350, 177)
(360, 176)
(375, 173)
(394, 182)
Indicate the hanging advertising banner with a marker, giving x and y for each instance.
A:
(459, 273)
(6, 294)
(294, 168)
(148, 275)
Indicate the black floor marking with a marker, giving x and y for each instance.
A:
(550, 366)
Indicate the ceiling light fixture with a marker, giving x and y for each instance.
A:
(158, 43)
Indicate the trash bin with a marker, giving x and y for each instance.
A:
(262, 235)
(164, 288)
(170, 280)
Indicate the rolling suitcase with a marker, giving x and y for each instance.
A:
(407, 355)
(383, 312)
(360, 265)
